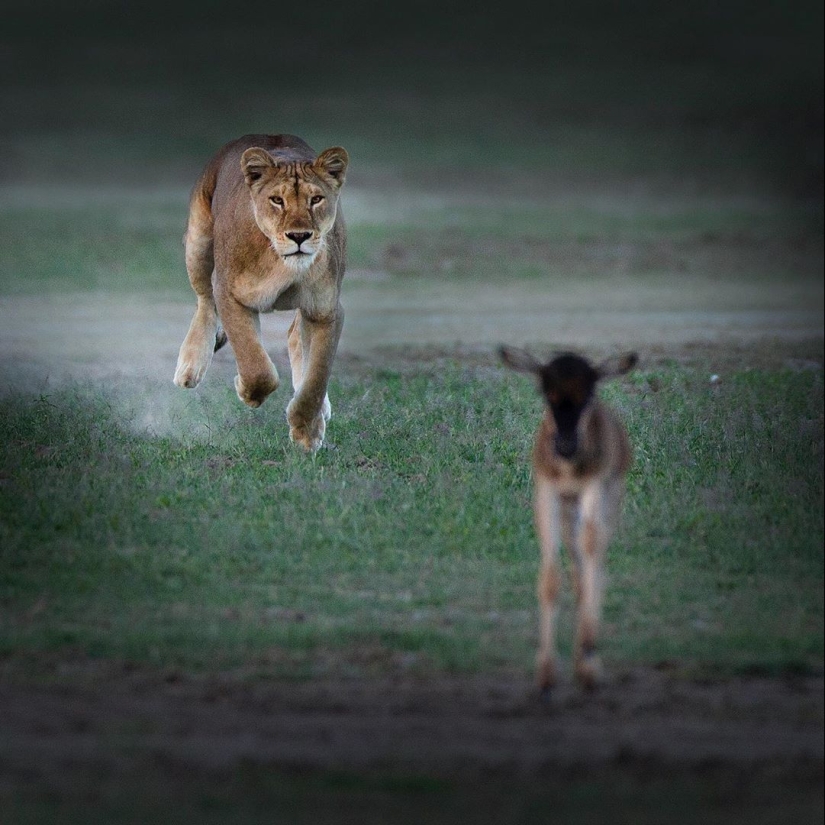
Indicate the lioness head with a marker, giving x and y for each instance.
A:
(295, 202)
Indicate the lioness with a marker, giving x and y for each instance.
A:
(265, 232)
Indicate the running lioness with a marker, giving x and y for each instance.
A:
(266, 232)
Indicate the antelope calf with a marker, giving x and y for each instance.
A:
(581, 456)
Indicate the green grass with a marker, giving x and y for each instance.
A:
(214, 544)
(132, 244)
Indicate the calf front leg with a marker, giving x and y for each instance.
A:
(257, 376)
(312, 356)
(547, 511)
(591, 544)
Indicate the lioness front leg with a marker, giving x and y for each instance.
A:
(309, 409)
(197, 348)
(257, 376)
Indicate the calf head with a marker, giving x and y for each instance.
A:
(568, 384)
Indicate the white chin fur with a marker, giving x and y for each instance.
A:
(301, 261)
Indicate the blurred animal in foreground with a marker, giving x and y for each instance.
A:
(581, 457)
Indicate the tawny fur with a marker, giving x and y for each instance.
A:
(581, 456)
(266, 233)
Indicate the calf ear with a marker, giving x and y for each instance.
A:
(333, 163)
(618, 365)
(256, 165)
(519, 360)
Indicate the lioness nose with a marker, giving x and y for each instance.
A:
(298, 237)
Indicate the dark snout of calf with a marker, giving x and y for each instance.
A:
(567, 415)
(568, 386)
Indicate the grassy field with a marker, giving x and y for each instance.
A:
(172, 568)
(410, 536)
(205, 560)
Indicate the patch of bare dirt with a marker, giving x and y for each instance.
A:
(447, 727)
(47, 340)
(437, 750)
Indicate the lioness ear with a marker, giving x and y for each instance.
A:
(618, 365)
(334, 163)
(255, 163)
(519, 360)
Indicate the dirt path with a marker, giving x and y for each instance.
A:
(445, 727)
(742, 750)
(103, 335)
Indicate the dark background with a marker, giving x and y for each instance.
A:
(703, 94)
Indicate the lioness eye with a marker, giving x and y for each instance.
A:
(316, 199)
(276, 201)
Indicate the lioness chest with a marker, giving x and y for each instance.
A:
(271, 285)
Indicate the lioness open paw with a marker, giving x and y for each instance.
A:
(188, 376)
(191, 368)
(254, 392)
(309, 436)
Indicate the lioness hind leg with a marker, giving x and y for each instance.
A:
(309, 409)
(296, 362)
(296, 351)
(203, 337)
